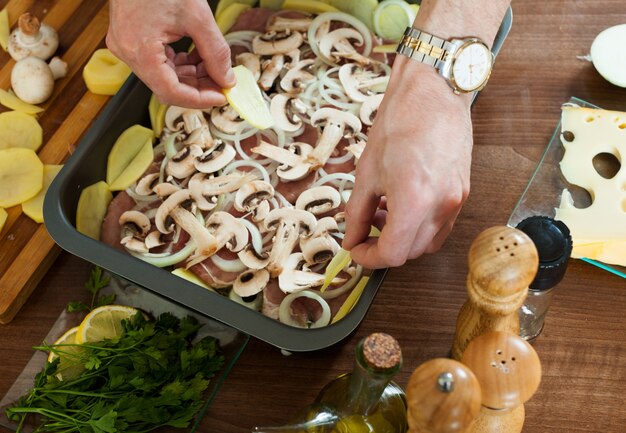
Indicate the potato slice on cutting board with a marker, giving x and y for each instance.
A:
(33, 208)
(11, 101)
(4, 29)
(21, 176)
(247, 100)
(3, 218)
(18, 129)
(130, 157)
(92, 207)
(104, 73)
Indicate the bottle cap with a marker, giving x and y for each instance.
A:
(381, 351)
(554, 246)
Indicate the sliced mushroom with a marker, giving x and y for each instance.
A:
(165, 189)
(319, 200)
(146, 184)
(296, 276)
(161, 220)
(337, 124)
(32, 38)
(204, 189)
(205, 202)
(279, 23)
(215, 159)
(189, 119)
(270, 43)
(351, 77)
(135, 222)
(182, 165)
(369, 108)
(336, 45)
(290, 225)
(250, 61)
(135, 244)
(260, 212)
(228, 231)
(251, 282)
(252, 259)
(285, 112)
(254, 302)
(154, 239)
(205, 242)
(226, 119)
(293, 165)
(320, 250)
(201, 137)
(271, 71)
(357, 148)
(297, 76)
(250, 195)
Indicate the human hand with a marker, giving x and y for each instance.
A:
(418, 160)
(140, 32)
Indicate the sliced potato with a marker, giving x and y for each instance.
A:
(351, 300)
(33, 208)
(224, 4)
(130, 144)
(3, 218)
(157, 115)
(11, 101)
(247, 100)
(313, 6)
(104, 73)
(271, 4)
(5, 29)
(190, 276)
(18, 129)
(135, 169)
(21, 176)
(92, 207)
(229, 16)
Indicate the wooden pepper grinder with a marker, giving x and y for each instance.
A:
(443, 396)
(509, 372)
(502, 263)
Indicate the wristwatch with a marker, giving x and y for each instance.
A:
(465, 63)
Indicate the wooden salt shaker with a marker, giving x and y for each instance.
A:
(443, 396)
(509, 372)
(502, 263)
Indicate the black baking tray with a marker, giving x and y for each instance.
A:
(88, 165)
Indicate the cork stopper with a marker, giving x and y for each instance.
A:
(28, 24)
(443, 396)
(381, 351)
(507, 367)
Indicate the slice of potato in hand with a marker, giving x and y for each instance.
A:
(104, 73)
(18, 129)
(11, 101)
(130, 157)
(247, 100)
(3, 218)
(92, 207)
(21, 176)
(33, 208)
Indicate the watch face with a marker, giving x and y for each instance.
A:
(472, 66)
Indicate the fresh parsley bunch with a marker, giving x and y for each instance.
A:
(149, 377)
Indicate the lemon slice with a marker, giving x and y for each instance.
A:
(247, 100)
(392, 17)
(104, 323)
(70, 366)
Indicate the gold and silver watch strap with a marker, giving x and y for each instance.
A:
(424, 47)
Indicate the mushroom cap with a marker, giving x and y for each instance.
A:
(328, 42)
(226, 119)
(154, 239)
(174, 200)
(32, 80)
(229, 230)
(296, 277)
(281, 108)
(279, 23)
(188, 118)
(165, 189)
(146, 184)
(271, 70)
(293, 80)
(328, 115)
(271, 43)
(348, 76)
(369, 108)
(251, 259)
(137, 222)
(196, 189)
(300, 170)
(250, 61)
(132, 243)
(320, 249)
(215, 159)
(182, 165)
(251, 194)
(319, 200)
(305, 220)
(251, 282)
(32, 38)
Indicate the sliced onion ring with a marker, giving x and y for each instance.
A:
(284, 311)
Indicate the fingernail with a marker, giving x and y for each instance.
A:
(230, 77)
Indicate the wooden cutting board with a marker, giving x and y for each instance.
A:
(26, 249)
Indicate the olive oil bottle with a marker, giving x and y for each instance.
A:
(363, 401)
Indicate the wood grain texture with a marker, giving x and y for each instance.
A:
(583, 346)
(26, 249)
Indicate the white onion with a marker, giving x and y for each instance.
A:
(284, 311)
(247, 163)
(343, 17)
(143, 199)
(169, 260)
(349, 285)
(281, 198)
(333, 177)
(255, 235)
(227, 265)
(341, 159)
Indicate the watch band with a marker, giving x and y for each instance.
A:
(424, 47)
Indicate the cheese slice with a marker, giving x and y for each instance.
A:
(599, 230)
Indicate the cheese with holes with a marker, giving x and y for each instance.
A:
(598, 230)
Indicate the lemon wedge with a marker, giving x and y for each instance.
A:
(103, 323)
(247, 100)
(70, 366)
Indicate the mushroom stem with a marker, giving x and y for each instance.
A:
(339, 124)
(58, 67)
(285, 240)
(279, 154)
(206, 244)
(29, 25)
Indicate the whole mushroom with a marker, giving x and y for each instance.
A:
(32, 79)
(32, 38)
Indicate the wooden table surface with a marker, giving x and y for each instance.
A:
(583, 346)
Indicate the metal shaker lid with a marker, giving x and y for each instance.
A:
(554, 245)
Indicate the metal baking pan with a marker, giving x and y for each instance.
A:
(88, 165)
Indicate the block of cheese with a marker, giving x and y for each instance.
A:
(599, 230)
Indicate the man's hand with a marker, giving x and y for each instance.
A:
(140, 32)
(418, 159)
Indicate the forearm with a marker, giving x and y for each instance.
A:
(462, 18)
